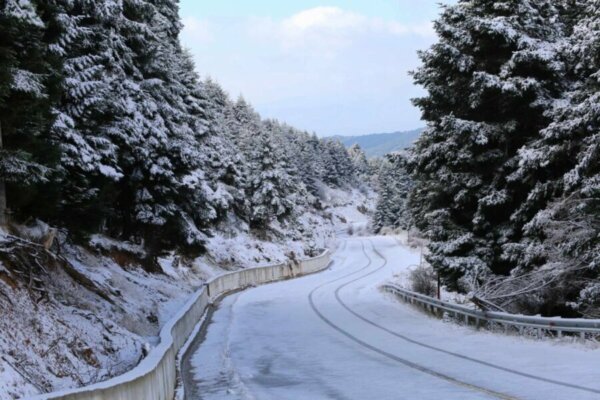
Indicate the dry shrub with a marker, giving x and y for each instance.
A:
(423, 280)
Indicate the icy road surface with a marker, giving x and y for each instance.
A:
(335, 335)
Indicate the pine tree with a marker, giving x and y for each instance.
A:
(339, 170)
(223, 163)
(244, 126)
(156, 130)
(84, 37)
(28, 90)
(359, 161)
(311, 165)
(107, 128)
(490, 79)
(271, 188)
(562, 239)
(394, 185)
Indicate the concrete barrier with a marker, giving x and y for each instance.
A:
(155, 377)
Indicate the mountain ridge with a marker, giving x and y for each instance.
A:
(380, 144)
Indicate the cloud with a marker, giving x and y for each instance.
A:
(326, 69)
(323, 18)
(198, 31)
(327, 30)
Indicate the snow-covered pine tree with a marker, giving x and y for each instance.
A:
(139, 148)
(271, 189)
(28, 89)
(384, 215)
(286, 140)
(84, 36)
(339, 170)
(156, 132)
(562, 241)
(490, 79)
(222, 162)
(359, 161)
(201, 196)
(245, 121)
(310, 162)
(394, 185)
(244, 125)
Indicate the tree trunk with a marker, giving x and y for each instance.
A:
(3, 219)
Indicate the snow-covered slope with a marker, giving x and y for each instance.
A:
(73, 336)
(344, 212)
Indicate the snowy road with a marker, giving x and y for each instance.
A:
(334, 335)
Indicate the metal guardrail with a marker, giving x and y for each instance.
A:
(479, 318)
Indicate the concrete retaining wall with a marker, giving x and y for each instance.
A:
(155, 377)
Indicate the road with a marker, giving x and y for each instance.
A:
(335, 335)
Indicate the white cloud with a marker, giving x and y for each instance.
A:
(323, 18)
(198, 31)
(326, 69)
(326, 30)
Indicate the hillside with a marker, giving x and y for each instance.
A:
(380, 144)
(92, 312)
(127, 180)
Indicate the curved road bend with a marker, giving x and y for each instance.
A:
(334, 335)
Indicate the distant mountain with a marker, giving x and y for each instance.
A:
(380, 144)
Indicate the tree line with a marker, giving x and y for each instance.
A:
(506, 179)
(106, 127)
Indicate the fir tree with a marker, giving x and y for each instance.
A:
(562, 239)
(223, 163)
(394, 185)
(84, 38)
(339, 170)
(311, 163)
(490, 79)
(359, 161)
(29, 78)
(271, 188)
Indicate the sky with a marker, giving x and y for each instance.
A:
(338, 67)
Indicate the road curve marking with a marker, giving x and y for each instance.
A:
(458, 355)
(393, 357)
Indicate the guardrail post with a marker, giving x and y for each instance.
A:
(582, 335)
(559, 333)
(467, 319)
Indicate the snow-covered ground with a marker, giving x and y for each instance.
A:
(344, 211)
(79, 338)
(76, 337)
(335, 335)
(414, 240)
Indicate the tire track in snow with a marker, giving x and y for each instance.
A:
(391, 356)
(438, 349)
